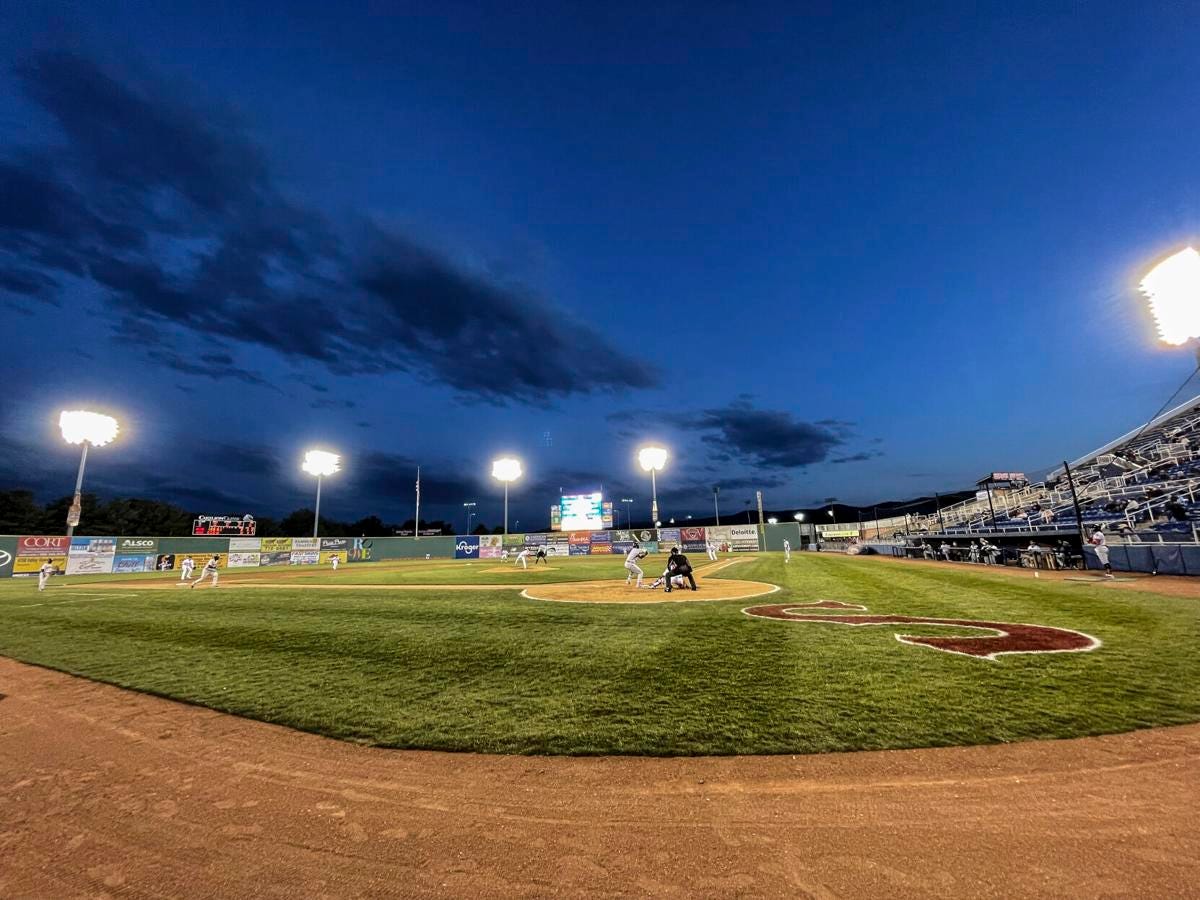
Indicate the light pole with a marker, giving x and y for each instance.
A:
(79, 426)
(716, 505)
(652, 460)
(470, 508)
(628, 521)
(799, 517)
(320, 463)
(506, 469)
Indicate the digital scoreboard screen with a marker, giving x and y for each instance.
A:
(215, 525)
(583, 512)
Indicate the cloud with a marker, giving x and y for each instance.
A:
(216, 366)
(174, 214)
(856, 457)
(332, 403)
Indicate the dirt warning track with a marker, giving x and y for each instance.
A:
(108, 793)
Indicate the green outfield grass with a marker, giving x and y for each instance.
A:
(487, 670)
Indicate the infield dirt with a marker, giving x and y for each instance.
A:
(109, 793)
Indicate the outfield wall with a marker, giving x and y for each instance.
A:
(24, 555)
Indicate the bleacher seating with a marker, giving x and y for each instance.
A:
(1144, 485)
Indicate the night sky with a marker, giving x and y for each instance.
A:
(821, 250)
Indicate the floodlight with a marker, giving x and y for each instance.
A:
(799, 517)
(506, 469)
(320, 463)
(1172, 289)
(80, 426)
(772, 521)
(652, 459)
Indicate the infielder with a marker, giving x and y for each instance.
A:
(333, 561)
(210, 568)
(787, 550)
(523, 558)
(44, 574)
(1101, 546)
(631, 564)
(712, 550)
(186, 568)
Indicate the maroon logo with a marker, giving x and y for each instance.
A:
(1005, 637)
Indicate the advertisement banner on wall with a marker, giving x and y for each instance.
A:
(275, 558)
(245, 545)
(275, 545)
(239, 559)
(305, 557)
(601, 537)
(668, 535)
(335, 544)
(328, 555)
(93, 546)
(306, 543)
(90, 563)
(8, 552)
(558, 548)
(490, 546)
(579, 537)
(605, 548)
(123, 564)
(541, 539)
(516, 540)
(466, 546)
(43, 546)
(622, 547)
(137, 546)
(165, 562)
(23, 566)
(743, 538)
(580, 549)
(649, 546)
(719, 535)
(693, 540)
(360, 550)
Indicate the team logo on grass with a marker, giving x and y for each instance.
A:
(1004, 637)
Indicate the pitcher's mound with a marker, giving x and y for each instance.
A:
(510, 569)
(619, 592)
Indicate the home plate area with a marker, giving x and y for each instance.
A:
(617, 591)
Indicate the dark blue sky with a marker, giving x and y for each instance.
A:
(865, 252)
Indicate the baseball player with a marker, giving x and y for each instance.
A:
(631, 564)
(210, 568)
(1097, 541)
(711, 548)
(186, 568)
(541, 557)
(523, 558)
(787, 550)
(333, 561)
(44, 574)
(504, 553)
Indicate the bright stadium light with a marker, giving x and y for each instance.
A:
(772, 521)
(1172, 289)
(79, 426)
(320, 463)
(799, 517)
(652, 459)
(506, 469)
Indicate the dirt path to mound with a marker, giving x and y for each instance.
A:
(108, 793)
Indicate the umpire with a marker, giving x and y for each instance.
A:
(677, 564)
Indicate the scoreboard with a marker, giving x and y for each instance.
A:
(584, 512)
(218, 525)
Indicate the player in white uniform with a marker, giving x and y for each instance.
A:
(631, 564)
(44, 574)
(210, 568)
(523, 558)
(712, 550)
(504, 553)
(333, 561)
(1101, 546)
(186, 568)
(787, 550)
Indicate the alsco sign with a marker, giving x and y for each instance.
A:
(137, 545)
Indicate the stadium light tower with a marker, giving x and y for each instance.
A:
(506, 469)
(652, 459)
(320, 463)
(627, 501)
(470, 508)
(1172, 289)
(88, 428)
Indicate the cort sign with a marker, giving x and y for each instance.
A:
(43, 545)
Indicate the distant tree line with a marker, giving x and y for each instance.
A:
(20, 513)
